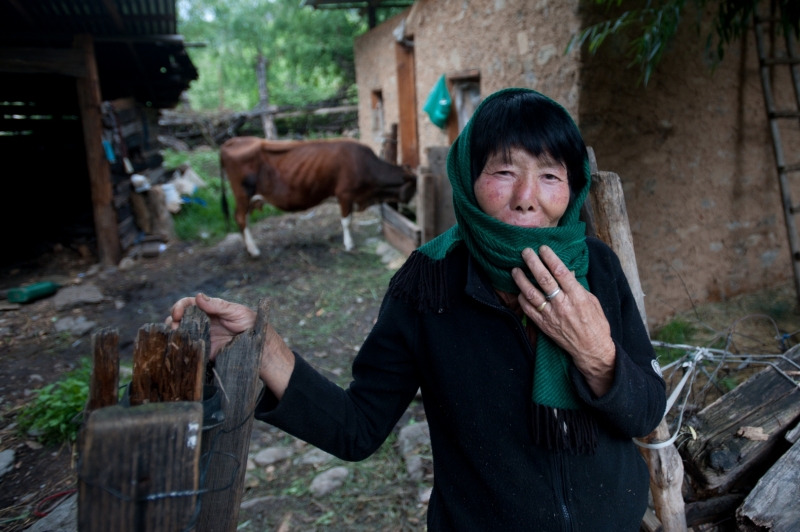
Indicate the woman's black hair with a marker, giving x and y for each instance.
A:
(533, 122)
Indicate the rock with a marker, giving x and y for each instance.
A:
(415, 466)
(425, 495)
(250, 464)
(35, 377)
(230, 240)
(6, 461)
(270, 455)
(72, 296)
(314, 457)
(250, 481)
(412, 436)
(126, 264)
(63, 518)
(94, 269)
(6, 331)
(33, 445)
(411, 439)
(75, 326)
(262, 503)
(329, 481)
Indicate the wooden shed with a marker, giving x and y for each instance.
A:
(59, 61)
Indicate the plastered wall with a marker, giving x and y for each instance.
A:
(695, 157)
(503, 39)
(692, 148)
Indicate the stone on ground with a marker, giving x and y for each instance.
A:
(270, 455)
(314, 457)
(73, 296)
(6, 461)
(329, 481)
(415, 440)
(64, 518)
(75, 326)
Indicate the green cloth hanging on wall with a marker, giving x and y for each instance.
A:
(438, 103)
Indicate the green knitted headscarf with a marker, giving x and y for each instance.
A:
(497, 247)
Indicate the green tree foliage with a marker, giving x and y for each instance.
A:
(652, 24)
(310, 52)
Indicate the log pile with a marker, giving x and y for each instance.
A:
(742, 459)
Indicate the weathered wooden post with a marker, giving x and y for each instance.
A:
(610, 218)
(236, 366)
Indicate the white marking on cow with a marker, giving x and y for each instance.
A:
(348, 239)
(250, 244)
(257, 197)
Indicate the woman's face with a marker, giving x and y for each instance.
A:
(526, 191)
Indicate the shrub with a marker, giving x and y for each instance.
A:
(52, 412)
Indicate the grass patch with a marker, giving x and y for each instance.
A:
(53, 410)
(205, 221)
(677, 331)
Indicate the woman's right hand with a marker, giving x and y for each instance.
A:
(229, 319)
(226, 319)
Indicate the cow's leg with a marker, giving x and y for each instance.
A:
(249, 243)
(347, 217)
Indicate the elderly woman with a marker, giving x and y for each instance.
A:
(535, 368)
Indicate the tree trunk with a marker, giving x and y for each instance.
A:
(263, 98)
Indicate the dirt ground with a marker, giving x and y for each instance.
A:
(324, 302)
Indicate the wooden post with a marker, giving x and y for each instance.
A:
(390, 145)
(104, 382)
(105, 217)
(237, 366)
(160, 217)
(130, 454)
(407, 103)
(262, 64)
(666, 467)
(426, 210)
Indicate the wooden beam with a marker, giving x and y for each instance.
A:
(666, 467)
(237, 366)
(132, 459)
(64, 61)
(89, 100)
(104, 381)
(407, 103)
(773, 504)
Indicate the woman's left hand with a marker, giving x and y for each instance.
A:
(572, 318)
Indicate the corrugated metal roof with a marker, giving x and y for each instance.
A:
(97, 17)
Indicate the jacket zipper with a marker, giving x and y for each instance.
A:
(561, 489)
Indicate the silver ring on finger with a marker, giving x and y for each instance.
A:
(554, 293)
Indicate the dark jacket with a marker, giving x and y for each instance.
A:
(475, 365)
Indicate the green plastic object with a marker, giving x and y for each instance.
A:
(438, 103)
(25, 294)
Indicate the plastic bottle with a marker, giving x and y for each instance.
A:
(26, 294)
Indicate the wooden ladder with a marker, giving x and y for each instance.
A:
(792, 60)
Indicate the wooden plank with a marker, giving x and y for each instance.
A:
(445, 215)
(712, 510)
(195, 322)
(719, 457)
(650, 522)
(149, 349)
(400, 241)
(181, 376)
(130, 454)
(237, 366)
(104, 381)
(400, 222)
(407, 104)
(63, 61)
(772, 506)
(105, 218)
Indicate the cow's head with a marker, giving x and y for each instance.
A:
(409, 185)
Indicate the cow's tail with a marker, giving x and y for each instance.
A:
(225, 210)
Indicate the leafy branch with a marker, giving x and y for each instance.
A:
(654, 24)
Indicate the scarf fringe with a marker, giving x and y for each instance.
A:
(559, 429)
(421, 280)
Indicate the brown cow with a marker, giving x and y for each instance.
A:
(297, 175)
